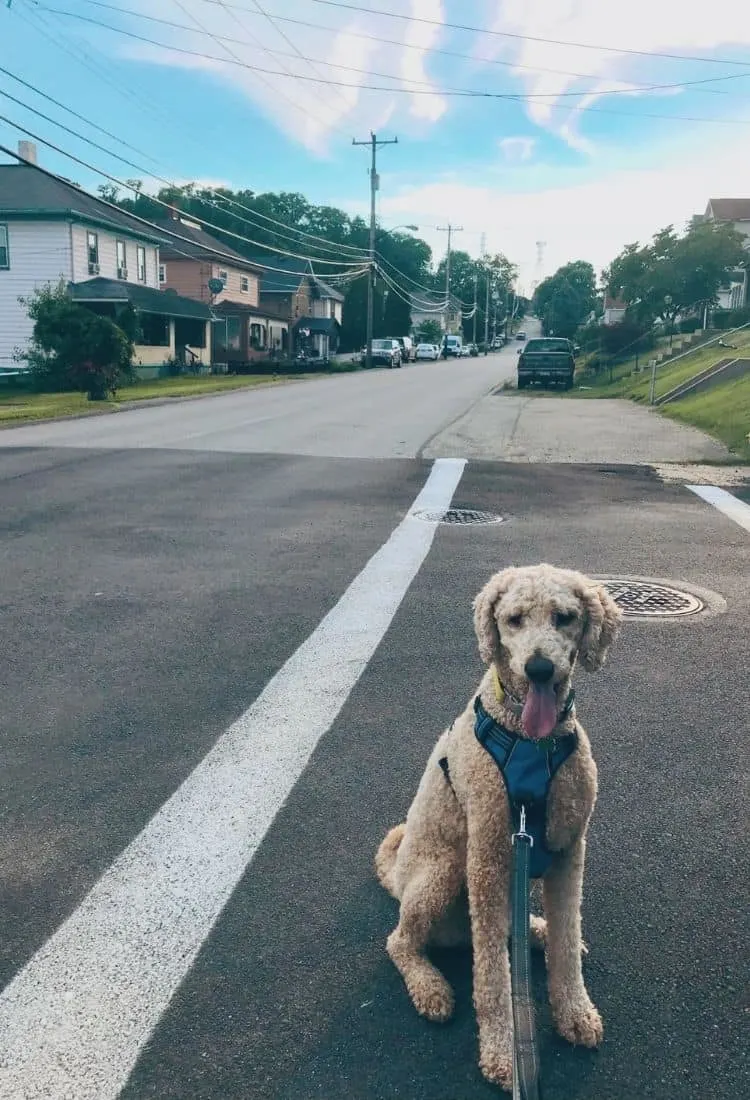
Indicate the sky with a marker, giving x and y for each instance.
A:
(581, 124)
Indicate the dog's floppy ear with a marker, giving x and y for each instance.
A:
(603, 618)
(485, 624)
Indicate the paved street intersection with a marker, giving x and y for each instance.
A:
(226, 660)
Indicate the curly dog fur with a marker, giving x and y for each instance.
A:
(449, 864)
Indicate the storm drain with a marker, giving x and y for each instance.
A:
(462, 516)
(650, 599)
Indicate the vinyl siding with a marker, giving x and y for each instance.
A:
(231, 291)
(39, 254)
(108, 256)
(188, 278)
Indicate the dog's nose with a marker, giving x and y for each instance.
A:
(539, 670)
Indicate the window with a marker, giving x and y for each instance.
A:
(224, 277)
(92, 247)
(122, 260)
(154, 330)
(140, 254)
(4, 252)
(244, 284)
(233, 334)
(162, 273)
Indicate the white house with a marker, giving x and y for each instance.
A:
(426, 306)
(52, 230)
(614, 309)
(737, 212)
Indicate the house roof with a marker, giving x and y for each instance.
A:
(145, 299)
(199, 245)
(317, 324)
(272, 312)
(288, 275)
(29, 192)
(729, 210)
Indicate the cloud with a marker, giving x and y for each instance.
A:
(308, 110)
(517, 148)
(423, 39)
(640, 25)
(591, 220)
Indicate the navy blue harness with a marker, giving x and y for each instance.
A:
(527, 768)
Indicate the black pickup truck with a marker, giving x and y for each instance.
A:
(549, 360)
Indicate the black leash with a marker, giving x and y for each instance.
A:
(526, 1083)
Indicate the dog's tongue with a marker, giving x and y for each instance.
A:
(539, 715)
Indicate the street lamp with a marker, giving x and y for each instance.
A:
(411, 228)
(668, 303)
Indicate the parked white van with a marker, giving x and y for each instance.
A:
(452, 345)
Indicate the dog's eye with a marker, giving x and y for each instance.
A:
(515, 620)
(565, 618)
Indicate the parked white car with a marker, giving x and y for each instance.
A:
(427, 351)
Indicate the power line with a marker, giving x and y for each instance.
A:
(445, 93)
(427, 84)
(170, 183)
(526, 37)
(370, 38)
(158, 202)
(239, 61)
(279, 30)
(57, 103)
(38, 23)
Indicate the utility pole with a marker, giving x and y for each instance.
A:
(474, 327)
(487, 311)
(374, 185)
(449, 229)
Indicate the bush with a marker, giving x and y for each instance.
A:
(689, 324)
(721, 319)
(626, 337)
(74, 349)
(590, 336)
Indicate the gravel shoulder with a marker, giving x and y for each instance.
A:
(506, 427)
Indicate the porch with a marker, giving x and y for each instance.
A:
(317, 336)
(245, 335)
(168, 328)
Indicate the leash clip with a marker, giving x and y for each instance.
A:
(520, 833)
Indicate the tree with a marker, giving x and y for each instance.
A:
(235, 215)
(497, 271)
(674, 274)
(564, 300)
(429, 332)
(73, 348)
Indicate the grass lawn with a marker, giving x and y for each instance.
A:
(668, 374)
(723, 412)
(18, 405)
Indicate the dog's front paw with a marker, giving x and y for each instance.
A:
(497, 1066)
(579, 1023)
(432, 997)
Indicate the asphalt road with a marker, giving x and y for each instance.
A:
(223, 674)
(455, 408)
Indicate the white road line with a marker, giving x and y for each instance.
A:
(725, 502)
(73, 1021)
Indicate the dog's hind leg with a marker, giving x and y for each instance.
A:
(425, 898)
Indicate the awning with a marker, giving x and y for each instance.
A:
(318, 325)
(143, 299)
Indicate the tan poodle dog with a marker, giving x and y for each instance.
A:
(532, 624)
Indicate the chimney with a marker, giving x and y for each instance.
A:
(27, 151)
(174, 213)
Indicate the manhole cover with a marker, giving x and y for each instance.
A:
(650, 599)
(463, 516)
